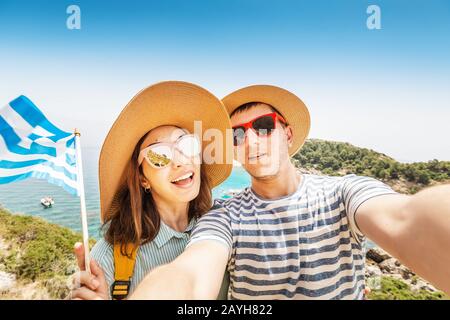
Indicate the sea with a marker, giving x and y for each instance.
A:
(24, 197)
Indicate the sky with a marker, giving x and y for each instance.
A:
(385, 89)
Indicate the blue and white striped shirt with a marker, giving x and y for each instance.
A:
(302, 246)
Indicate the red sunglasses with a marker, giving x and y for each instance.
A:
(262, 126)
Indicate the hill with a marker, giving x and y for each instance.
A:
(339, 158)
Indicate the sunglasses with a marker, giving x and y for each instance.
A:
(159, 155)
(262, 126)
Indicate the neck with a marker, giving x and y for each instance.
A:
(283, 184)
(173, 214)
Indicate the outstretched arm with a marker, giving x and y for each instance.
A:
(415, 229)
(196, 274)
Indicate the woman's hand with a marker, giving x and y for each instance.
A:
(88, 286)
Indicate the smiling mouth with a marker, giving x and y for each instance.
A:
(184, 180)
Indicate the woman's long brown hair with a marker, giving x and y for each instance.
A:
(136, 219)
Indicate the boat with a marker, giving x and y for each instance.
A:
(231, 193)
(47, 202)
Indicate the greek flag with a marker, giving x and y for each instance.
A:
(31, 146)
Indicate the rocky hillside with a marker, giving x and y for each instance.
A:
(388, 279)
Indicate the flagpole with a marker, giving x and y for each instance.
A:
(84, 223)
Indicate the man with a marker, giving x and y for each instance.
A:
(299, 236)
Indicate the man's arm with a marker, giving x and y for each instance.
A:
(196, 274)
(415, 229)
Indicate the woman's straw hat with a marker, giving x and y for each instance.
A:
(293, 110)
(166, 103)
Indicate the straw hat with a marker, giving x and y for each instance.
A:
(293, 110)
(165, 103)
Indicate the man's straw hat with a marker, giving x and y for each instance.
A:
(166, 103)
(293, 110)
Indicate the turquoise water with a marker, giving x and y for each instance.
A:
(24, 196)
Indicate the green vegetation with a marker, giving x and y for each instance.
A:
(394, 289)
(338, 158)
(39, 251)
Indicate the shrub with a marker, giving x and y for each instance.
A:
(394, 289)
(40, 250)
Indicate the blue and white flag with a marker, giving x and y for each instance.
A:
(31, 146)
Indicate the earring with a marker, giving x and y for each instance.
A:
(147, 190)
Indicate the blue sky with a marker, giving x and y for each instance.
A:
(384, 89)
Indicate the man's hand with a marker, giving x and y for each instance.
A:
(414, 229)
(88, 286)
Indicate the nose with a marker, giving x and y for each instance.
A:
(251, 138)
(179, 159)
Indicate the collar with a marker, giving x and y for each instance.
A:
(166, 233)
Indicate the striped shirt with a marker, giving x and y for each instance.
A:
(302, 246)
(167, 245)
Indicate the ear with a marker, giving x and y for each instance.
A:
(289, 135)
(144, 182)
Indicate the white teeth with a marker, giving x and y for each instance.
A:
(187, 175)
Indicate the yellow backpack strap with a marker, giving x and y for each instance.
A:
(123, 271)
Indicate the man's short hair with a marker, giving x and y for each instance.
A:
(249, 105)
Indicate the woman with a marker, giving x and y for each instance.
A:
(153, 186)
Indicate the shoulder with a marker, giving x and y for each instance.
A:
(102, 252)
(323, 185)
(223, 205)
(315, 179)
(218, 209)
(241, 198)
(217, 217)
(339, 182)
(353, 181)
